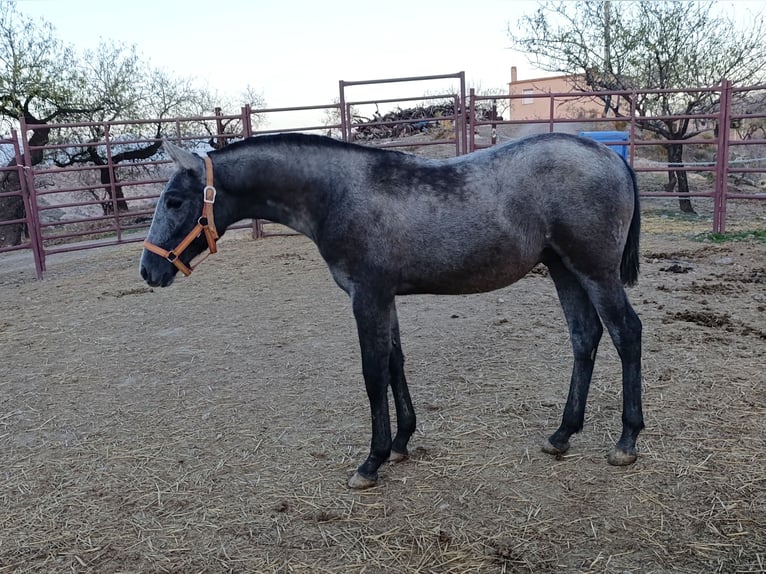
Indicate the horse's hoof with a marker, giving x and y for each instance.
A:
(549, 448)
(359, 482)
(621, 458)
(397, 456)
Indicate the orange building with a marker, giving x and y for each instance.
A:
(530, 99)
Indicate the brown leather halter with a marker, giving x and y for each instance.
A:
(205, 224)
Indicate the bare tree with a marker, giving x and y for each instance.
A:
(44, 81)
(666, 44)
(39, 84)
(128, 88)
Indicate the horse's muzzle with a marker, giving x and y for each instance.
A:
(157, 278)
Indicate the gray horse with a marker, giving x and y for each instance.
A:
(389, 223)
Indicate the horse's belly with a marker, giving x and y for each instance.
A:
(469, 255)
(472, 279)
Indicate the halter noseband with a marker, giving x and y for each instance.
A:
(205, 224)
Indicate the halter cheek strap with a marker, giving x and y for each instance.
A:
(205, 224)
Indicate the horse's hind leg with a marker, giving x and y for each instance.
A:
(405, 414)
(585, 332)
(624, 327)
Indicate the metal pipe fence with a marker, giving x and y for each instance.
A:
(18, 216)
(718, 139)
(98, 181)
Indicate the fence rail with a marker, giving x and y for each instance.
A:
(98, 181)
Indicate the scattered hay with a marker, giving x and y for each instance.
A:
(140, 436)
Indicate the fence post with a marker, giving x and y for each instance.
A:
(257, 230)
(632, 143)
(464, 127)
(247, 131)
(551, 114)
(470, 119)
(247, 121)
(29, 196)
(722, 161)
(458, 118)
(345, 128)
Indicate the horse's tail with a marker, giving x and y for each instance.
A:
(630, 256)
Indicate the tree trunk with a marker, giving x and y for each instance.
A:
(11, 207)
(678, 177)
(108, 205)
(131, 155)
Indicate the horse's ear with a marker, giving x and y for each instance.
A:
(184, 159)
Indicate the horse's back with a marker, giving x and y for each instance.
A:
(482, 221)
(528, 191)
(559, 168)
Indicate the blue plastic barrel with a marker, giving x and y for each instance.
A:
(603, 137)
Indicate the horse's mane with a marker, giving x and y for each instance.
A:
(303, 140)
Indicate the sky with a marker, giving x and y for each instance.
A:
(294, 52)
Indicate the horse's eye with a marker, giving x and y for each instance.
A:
(173, 203)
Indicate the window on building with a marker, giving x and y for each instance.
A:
(528, 99)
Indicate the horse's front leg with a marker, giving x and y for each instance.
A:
(372, 315)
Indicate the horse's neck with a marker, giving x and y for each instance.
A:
(282, 184)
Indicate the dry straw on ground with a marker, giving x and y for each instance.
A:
(211, 427)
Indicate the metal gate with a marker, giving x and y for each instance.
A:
(19, 214)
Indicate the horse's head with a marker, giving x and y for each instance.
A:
(182, 226)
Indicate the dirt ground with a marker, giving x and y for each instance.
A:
(211, 426)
